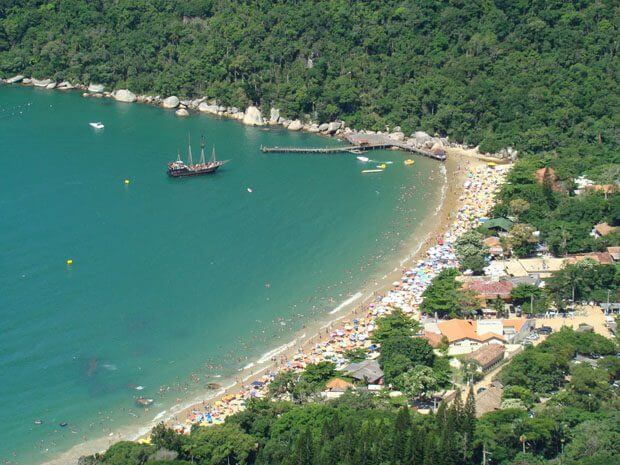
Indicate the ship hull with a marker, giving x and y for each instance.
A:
(188, 173)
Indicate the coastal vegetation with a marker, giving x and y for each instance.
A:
(577, 424)
(532, 75)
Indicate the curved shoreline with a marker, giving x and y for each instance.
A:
(415, 247)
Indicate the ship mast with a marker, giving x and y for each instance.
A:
(179, 155)
(202, 150)
(213, 154)
(189, 138)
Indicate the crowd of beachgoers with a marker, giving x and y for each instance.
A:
(480, 185)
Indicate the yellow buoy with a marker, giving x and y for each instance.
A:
(69, 262)
(409, 162)
(126, 181)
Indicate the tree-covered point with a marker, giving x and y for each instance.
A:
(537, 75)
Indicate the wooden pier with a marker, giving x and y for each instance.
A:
(355, 148)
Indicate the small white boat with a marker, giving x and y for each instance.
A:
(364, 159)
(372, 171)
(97, 125)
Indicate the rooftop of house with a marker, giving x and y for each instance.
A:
(434, 339)
(614, 252)
(338, 385)
(604, 258)
(498, 223)
(603, 229)
(492, 241)
(489, 400)
(516, 323)
(491, 289)
(366, 370)
(457, 330)
(487, 355)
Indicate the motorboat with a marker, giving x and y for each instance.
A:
(97, 125)
(363, 159)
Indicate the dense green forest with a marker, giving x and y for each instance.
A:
(578, 424)
(539, 75)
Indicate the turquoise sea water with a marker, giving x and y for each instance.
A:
(173, 282)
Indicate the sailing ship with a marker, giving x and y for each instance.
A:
(180, 169)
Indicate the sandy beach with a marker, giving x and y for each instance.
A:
(348, 325)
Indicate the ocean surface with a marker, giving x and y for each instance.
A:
(174, 283)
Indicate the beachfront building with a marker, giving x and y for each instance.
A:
(367, 371)
(466, 336)
(335, 388)
(498, 225)
(489, 290)
(486, 357)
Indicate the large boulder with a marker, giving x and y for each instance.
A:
(182, 112)
(333, 127)
(41, 82)
(323, 127)
(124, 95)
(295, 125)
(206, 108)
(64, 85)
(421, 138)
(97, 88)
(171, 102)
(15, 79)
(51, 85)
(274, 116)
(438, 149)
(253, 117)
(398, 136)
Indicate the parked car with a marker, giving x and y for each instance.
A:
(544, 330)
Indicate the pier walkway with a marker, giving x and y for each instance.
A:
(360, 142)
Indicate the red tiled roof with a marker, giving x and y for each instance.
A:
(487, 355)
(434, 339)
(603, 258)
(491, 289)
(456, 330)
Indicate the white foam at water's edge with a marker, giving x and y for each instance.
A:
(248, 366)
(350, 300)
(266, 357)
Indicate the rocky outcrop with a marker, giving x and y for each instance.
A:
(207, 108)
(323, 127)
(15, 79)
(182, 112)
(438, 149)
(295, 125)
(64, 85)
(397, 136)
(41, 82)
(50, 86)
(333, 127)
(96, 88)
(274, 116)
(171, 102)
(253, 117)
(421, 138)
(124, 95)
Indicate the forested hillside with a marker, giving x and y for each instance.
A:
(540, 75)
